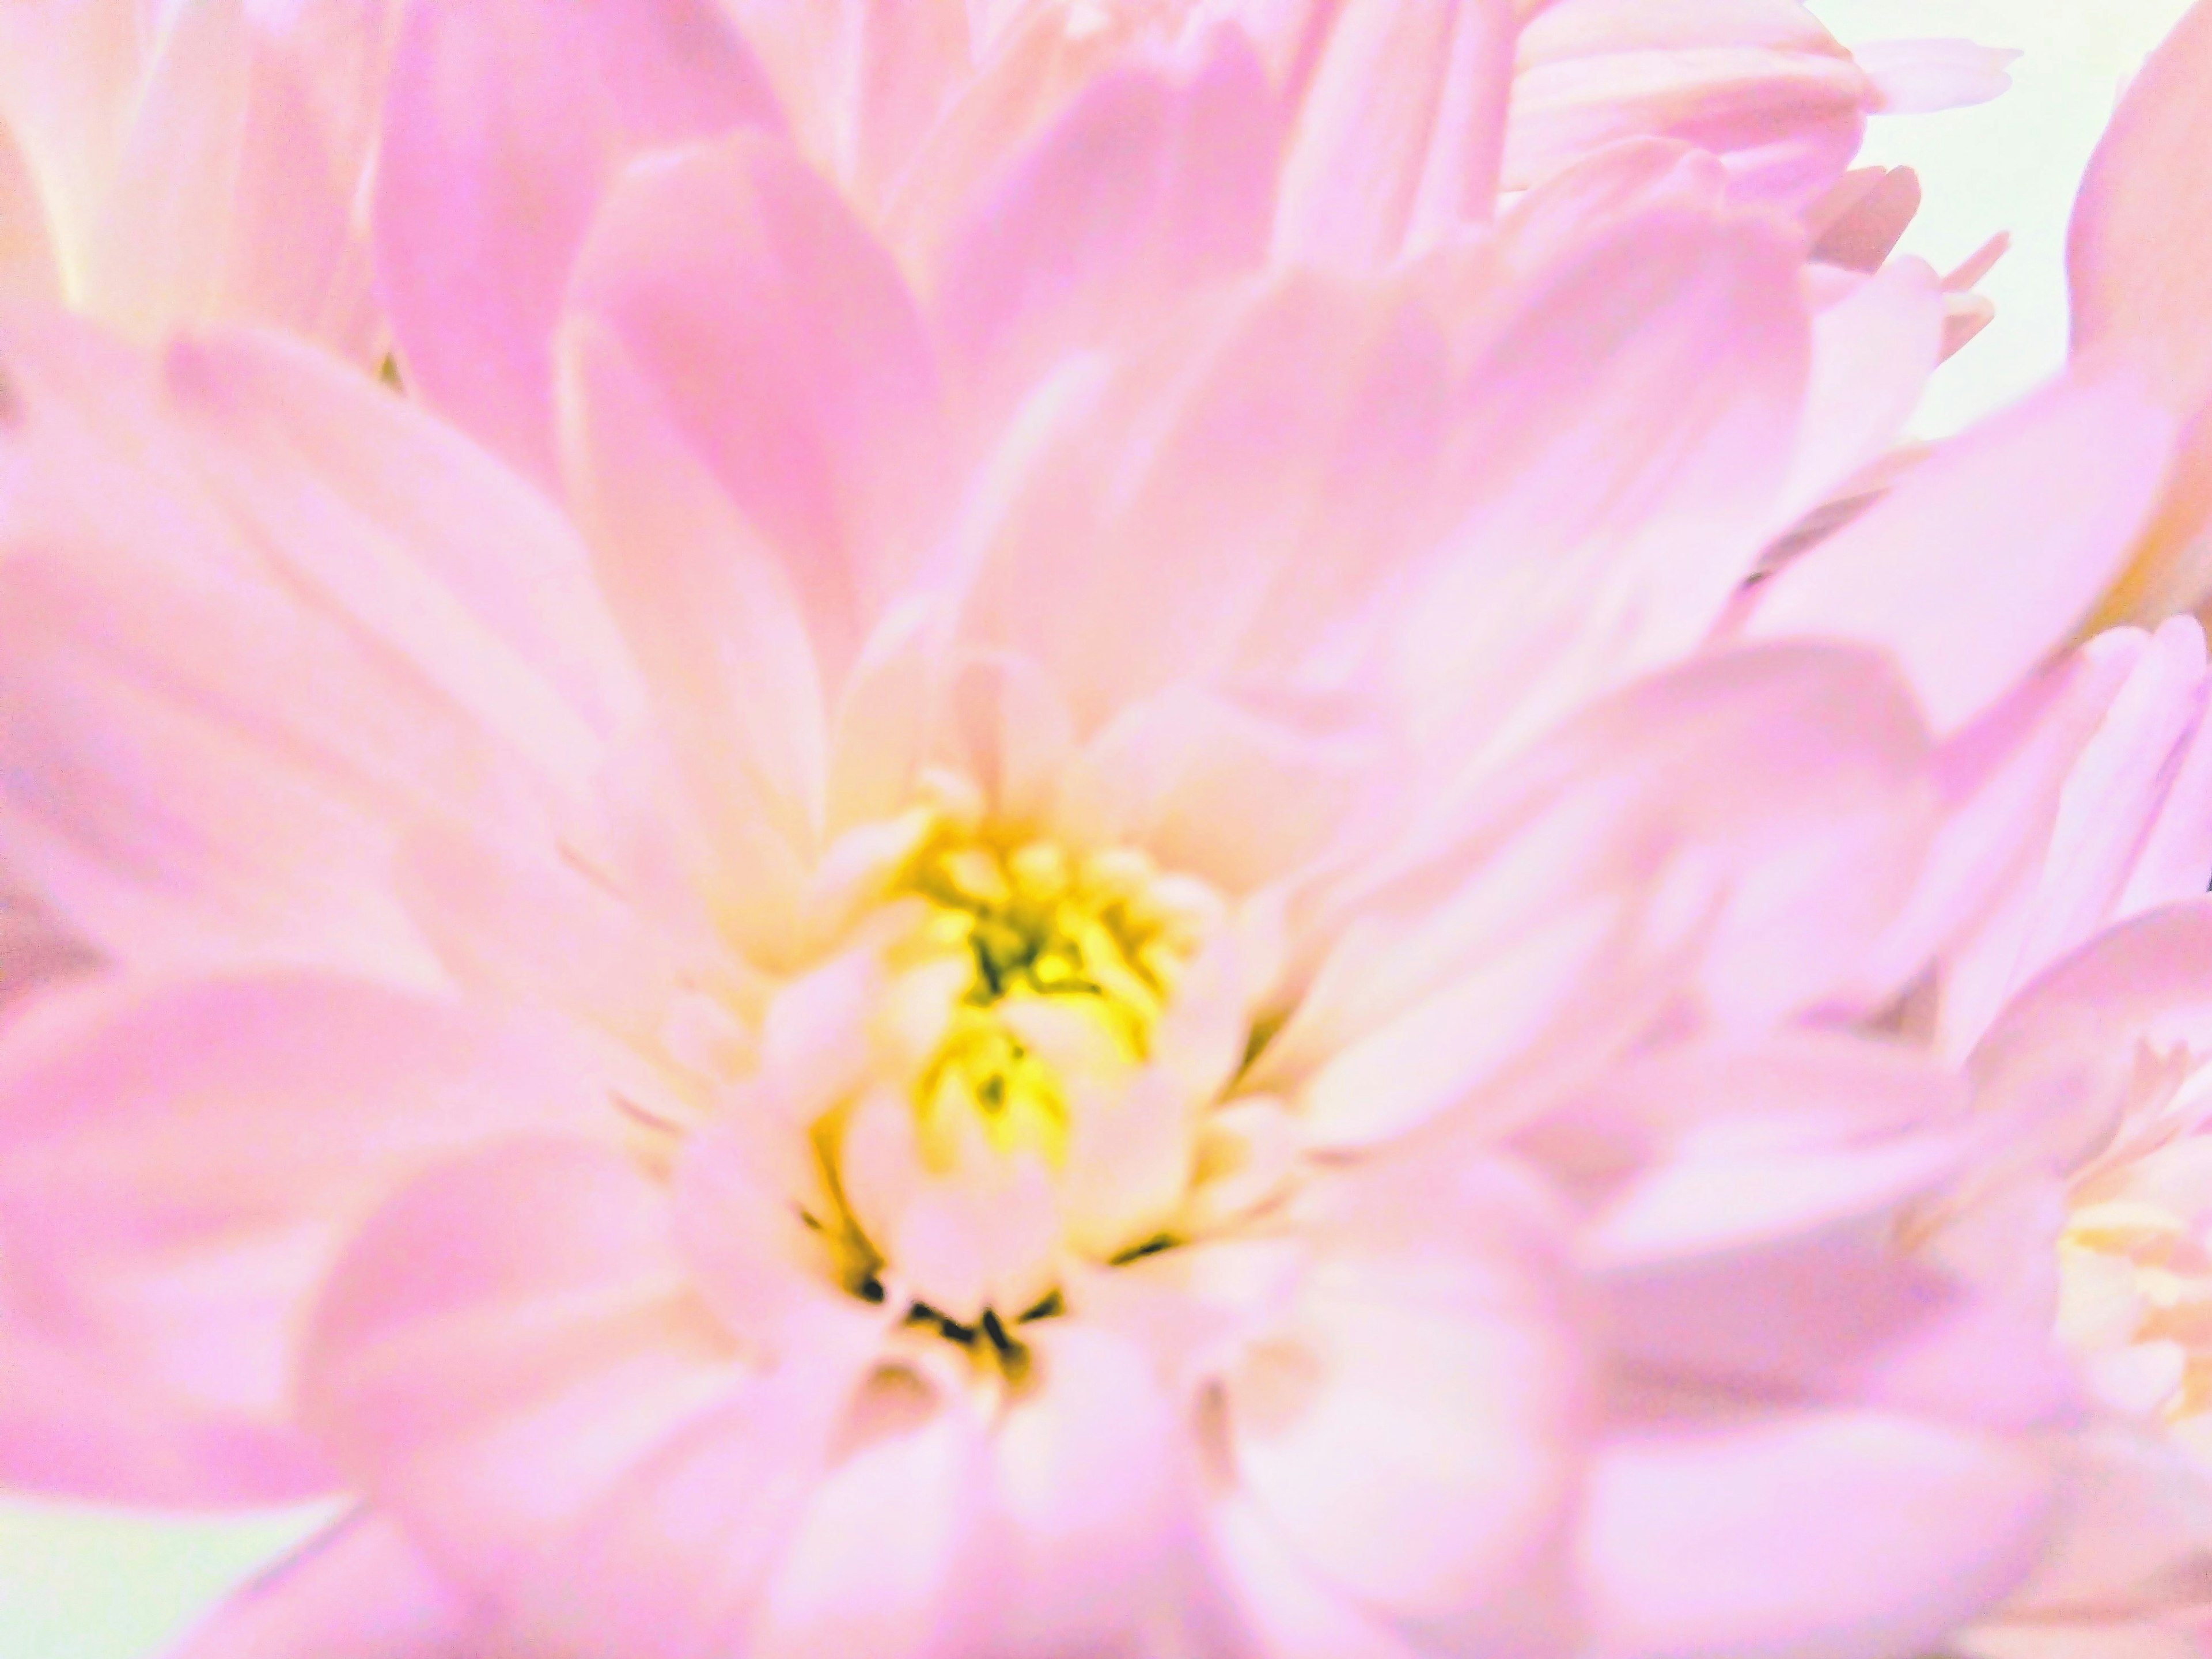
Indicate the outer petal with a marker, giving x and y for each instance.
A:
(183, 1161)
(1411, 1430)
(1616, 445)
(2139, 259)
(784, 346)
(513, 1359)
(505, 120)
(1148, 186)
(1398, 136)
(1804, 1535)
(360, 1591)
(1760, 84)
(2062, 483)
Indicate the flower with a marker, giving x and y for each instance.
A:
(192, 163)
(2136, 262)
(1112, 966)
(2077, 996)
(1391, 144)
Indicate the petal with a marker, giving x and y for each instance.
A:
(783, 345)
(713, 615)
(1411, 1432)
(1759, 84)
(1147, 186)
(1398, 136)
(360, 1591)
(1872, 354)
(184, 1161)
(504, 1344)
(1804, 1534)
(1229, 493)
(504, 124)
(1766, 1140)
(2061, 482)
(1830, 1317)
(1617, 443)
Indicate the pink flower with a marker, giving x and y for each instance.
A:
(2137, 258)
(1110, 967)
(191, 161)
(2091, 1206)
(1382, 128)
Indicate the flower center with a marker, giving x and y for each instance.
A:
(1060, 948)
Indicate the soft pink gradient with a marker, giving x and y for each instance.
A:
(509, 924)
(2138, 255)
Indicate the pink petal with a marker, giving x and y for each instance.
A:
(714, 616)
(2061, 483)
(1761, 85)
(503, 125)
(1768, 1140)
(2061, 1061)
(504, 1344)
(1146, 187)
(29, 267)
(1918, 77)
(1872, 352)
(1804, 1534)
(231, 195)
(497, 143)
(1616, 447)
(2137, 271)
(1228, 494)
(360, 1591)
(785, 349)
(1086, 1477)
(184, 1161)
(1411, 1432)
(1398, 136)
(397, 521)
(1827, 1317)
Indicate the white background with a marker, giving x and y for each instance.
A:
(78, 1584)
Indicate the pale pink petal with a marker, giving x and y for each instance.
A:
(1617, 445)
(504, 1342)
(221, 134)
(712, 613)
(1862, 220)
(29, 269)
(66, 78)
(2062, 1058)
(1804, 1534)
(1686, 804)
(1918, 77)
(1412, 1432)
(784, 346)
(396, 521)
(2062, 482)
(2117, 793)
(1236, 792)
(497, 142)
(1398, 136)
(1086, 1477)
(1146, 186)
(1763, 1140)
(1760, 83)
(183, 1160)
(2136, 266)
(1294, 1612)
(359, 1591)
(1872, 354)
(1231, 495)
(502, 128)
(1832, 1317)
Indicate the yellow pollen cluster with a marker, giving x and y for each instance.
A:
(1035, 926)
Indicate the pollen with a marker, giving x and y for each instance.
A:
(1076, 944)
